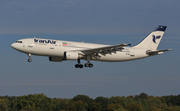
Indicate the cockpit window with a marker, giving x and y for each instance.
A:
(18, 41)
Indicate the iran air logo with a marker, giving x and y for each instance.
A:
(156, 37)
(64, 43)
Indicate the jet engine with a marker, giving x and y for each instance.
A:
(55, 59)
(71, 55)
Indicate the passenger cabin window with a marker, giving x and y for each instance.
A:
(18, 41)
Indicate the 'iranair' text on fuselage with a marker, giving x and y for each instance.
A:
(44, 41)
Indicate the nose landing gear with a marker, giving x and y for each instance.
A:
(29, 60)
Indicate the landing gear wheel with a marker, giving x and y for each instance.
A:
(90, 65)
(86, 65)
(29, 60)
(78, 66)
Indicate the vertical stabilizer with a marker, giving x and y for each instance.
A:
(152, 41)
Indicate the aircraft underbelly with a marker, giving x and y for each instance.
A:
(115, 57)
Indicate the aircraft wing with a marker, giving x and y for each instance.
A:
(157, 52)
(103, 50)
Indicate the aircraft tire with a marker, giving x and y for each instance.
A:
(80, 66)
(29, 60)
(77, 66)
(90, 65)
(86, 65)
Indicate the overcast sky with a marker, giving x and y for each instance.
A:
(95, 21)
(86, 16)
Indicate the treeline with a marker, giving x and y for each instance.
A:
(40, 102)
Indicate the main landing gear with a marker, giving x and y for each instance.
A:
(29, 60)
(79, 65)
(88, 65)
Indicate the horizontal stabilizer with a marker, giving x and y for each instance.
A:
(151, 53)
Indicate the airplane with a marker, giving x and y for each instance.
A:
(58, 50)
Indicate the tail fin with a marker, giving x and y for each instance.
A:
(152, 41)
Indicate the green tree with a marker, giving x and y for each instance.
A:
(155, 109)
(83, 98)
(134, 107)
(144, 104)
(114, 107)
(173, 108)
(157, 102)
(141, 96)
(36, 102)
(95, 107)
(59, 104)
(119, 100)
(4, 103)
(76, 106)
(172, 100)
(104, 102)
(111, 107)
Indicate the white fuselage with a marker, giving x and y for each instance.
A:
(56, 48)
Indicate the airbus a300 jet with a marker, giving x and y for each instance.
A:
(58, 50)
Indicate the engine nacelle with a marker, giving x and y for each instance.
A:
(71, 55)
(55, 59)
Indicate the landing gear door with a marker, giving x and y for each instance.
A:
(52, 46)
(132, 52)
(30, 43)
(30, 46)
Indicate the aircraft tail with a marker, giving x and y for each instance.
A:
(152, 41)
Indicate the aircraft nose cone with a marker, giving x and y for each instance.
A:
(12, 45)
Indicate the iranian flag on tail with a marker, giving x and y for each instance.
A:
(64, 43)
